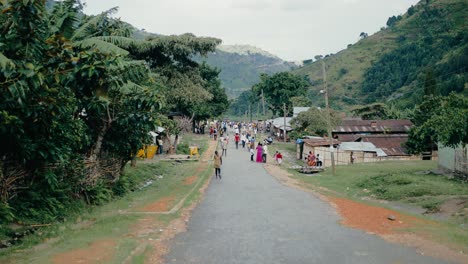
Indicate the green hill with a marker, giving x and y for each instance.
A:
(241, 66)
(422, 51)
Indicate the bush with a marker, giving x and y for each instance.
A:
(183, 148)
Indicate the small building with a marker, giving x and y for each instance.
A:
(358, 152)
(393, 145)
(279, 128)
(350, 129)
(318, 145)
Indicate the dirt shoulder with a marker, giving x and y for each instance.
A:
(375, 220)
(160, 247)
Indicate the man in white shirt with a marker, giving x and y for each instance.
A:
(265, 152)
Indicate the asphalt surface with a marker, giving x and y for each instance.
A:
(248, 217)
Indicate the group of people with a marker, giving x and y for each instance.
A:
(313, 160)
(245, 139)
(262, 153)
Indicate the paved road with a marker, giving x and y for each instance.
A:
(248, 217)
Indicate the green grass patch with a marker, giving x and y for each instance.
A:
(189, 140)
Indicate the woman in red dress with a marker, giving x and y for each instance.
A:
(259, 153)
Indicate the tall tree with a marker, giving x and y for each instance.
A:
(439, 119)
(279, 88)
(314, 121)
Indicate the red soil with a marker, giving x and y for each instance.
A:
(162, 205)
(98, 252)
(190, 180)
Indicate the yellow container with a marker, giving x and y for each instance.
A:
(150, 151)
(141, 153)
(193, 150)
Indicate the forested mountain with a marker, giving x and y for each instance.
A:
(241, 66)
(424, 51)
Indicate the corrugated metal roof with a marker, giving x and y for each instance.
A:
(362, 146)
(373, 126)
(392, 145)
(297, 110)
(348, 137)
(317, 142)
(279, 123)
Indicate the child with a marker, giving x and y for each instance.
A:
(251, 154)
(278, 158)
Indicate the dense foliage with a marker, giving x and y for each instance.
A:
(314, 122)
(428, 44)
(279, 88)
(439, 119)
(393, 65)
(79, 96)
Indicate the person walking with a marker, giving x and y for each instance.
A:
(265, 153)
(237, 139)
(222, 143)
(226, 142)
(215, 134)
(259, 152)
(252, 153)
(218, 161)
(243, 139)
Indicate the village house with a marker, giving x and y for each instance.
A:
(351, 130)
(358, 141)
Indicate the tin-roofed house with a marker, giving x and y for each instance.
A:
(351, 129)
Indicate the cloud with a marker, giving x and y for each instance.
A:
(299, 5)
(251, 5)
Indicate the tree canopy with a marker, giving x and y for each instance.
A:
(279, 88)
(439, 119)
(79, 98)
(313, 122)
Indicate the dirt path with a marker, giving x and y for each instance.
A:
(374, 220)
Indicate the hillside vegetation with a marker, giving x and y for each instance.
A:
(241, 66)
(421, 52)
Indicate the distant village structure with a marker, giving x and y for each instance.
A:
(358, 141)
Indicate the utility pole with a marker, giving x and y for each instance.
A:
(284, 130)
(329, 128)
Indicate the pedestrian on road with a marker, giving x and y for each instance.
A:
(218, 161)
(226, 142)
(243, 139)
(222, 143)
(237, 139)
(259, 152)
(252, 153)
(265, 153)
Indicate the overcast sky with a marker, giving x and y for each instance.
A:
(294, 30)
